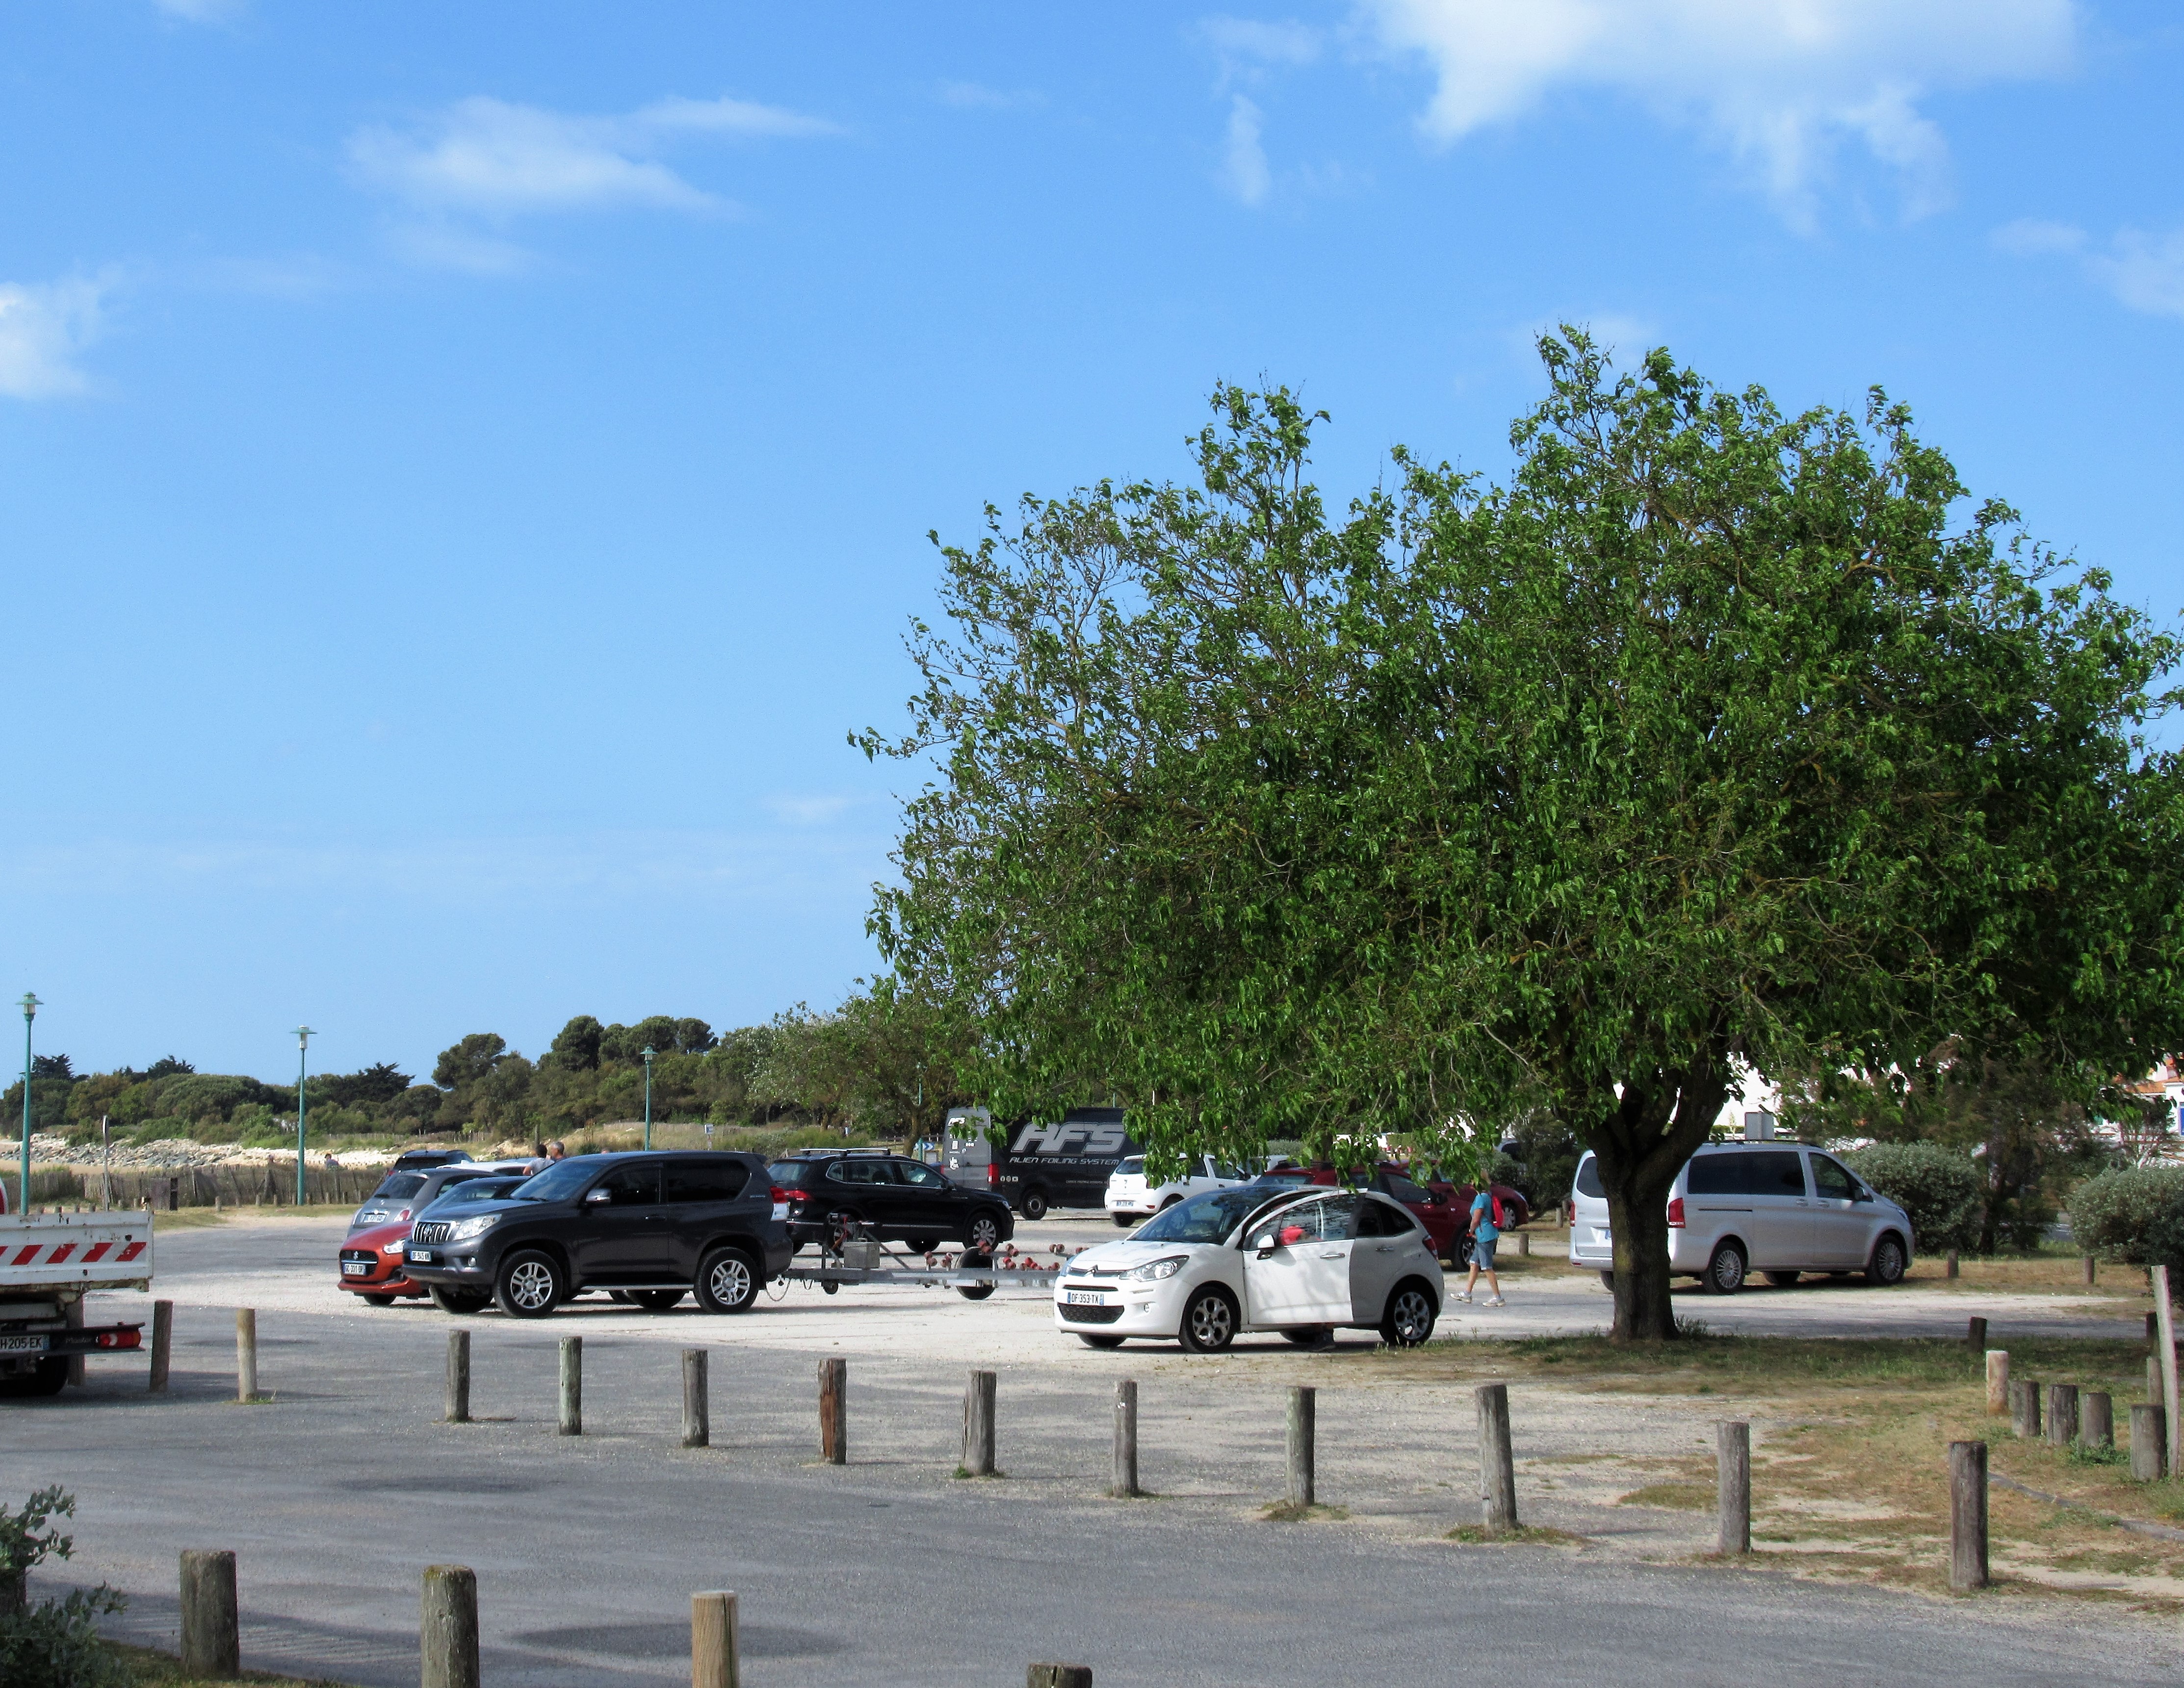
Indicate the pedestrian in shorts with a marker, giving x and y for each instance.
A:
(1485, 1232)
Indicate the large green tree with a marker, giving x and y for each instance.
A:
(1714, 740)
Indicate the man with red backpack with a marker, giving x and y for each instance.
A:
(1487, 1217)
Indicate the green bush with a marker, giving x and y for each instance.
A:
(2136, 1216)
(56, 1643)
(1940, 1189)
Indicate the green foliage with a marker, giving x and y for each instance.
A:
(1942, 1190)
(1546, 1157)
(2135, 1215)
(54, 1644)
(1708, 742)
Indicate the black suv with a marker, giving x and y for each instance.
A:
(901, 1201)
(654, 1227)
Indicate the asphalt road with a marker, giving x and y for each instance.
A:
(336, 1494)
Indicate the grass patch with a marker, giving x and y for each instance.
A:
(147, 1665)
(2085, 1453)
(1295, 1512)
(1698, 1497)
(1524, 1534)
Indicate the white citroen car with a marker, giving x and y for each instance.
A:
(1254, 1258)
(1132, 1196)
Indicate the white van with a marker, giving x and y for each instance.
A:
(1131, 1197)
(1776, 1208)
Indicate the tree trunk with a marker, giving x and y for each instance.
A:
(1640, 1220)
(1659, 1119)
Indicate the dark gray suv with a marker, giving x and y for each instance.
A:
(652, 1228)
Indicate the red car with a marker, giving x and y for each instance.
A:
(371, 1254)
(1442, 1207)
(371, 1264)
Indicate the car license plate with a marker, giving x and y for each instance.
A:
(22, 1345)
(356, 1268)
(1085, 1298)
(420, 1256)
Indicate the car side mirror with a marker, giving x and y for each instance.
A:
(596, 1196)
(1861, 1193)
(1264, 1242)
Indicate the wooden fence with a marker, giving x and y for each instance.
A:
(166, 1188)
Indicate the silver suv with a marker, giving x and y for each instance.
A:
(1777, 1208)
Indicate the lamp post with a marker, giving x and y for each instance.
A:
(30, 1007)
(648, 1096)
(302, 1062)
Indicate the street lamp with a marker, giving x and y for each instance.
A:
(302, 1061)
(648, 1096)
(30, 1007)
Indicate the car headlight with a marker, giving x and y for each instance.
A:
(464, 1229)
(1153, 1269)
(394, 1248)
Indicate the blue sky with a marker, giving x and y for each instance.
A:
(467, 468)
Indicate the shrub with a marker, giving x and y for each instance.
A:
(56, 1643)
(2136, 1216)
(1942, 1190)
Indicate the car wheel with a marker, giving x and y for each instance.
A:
(460, 1300)
(1607, 1280)
(985, 1234)
(1888, 1262)
(1092, 1341)
(727, 1282)
(1034, 1206)
(1780, 1280)
(1410, 1317)
(656, 1301)
(1307, 1335)
(1209, 1322)
(1725, 1272)
(379, 1300)
(529, 1285)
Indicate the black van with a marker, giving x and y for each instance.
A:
(1037, 1167)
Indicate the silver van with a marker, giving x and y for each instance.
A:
(1780, 1209)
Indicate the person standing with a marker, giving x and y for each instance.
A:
(1485, 1232)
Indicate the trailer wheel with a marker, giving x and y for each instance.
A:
(50, 1378)
(1034, 1205)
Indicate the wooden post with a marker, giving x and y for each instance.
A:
(1951, 1271)
(1303, 1423)
(246, 1353)
(978, 1424)
(716, 1645)
(1998, 1380)
(1126, 1439)
(2149, 1442)
(2062, 1414)
(571, 1421)
(1975, 1335)
(2153, 1377)
(458, 1376)
(1524, 1244)
(2024, 1408)
(2097, 1419)
(211, 1644)
(2091, 1266)
(1497, 1466)
(2153, 1331)
(1058, 1676)
(162, 1344)
(833, 1411)
(1968, 1568)
(448, 1632)
(1732, 1441)
(2165, 1349)
(697, 1408)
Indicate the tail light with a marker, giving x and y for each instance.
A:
(780, 1195)
(118, 1338)
(1676, 1209)
(993, 1176)
(402, 1215)
(1569, 1212)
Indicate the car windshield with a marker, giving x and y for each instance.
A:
(473, 1189)
(1207, 1219)
(399, 1185)
(559, 1181)
(1130, 1167)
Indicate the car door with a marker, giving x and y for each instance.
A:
(927, 1204)
(865, 1188)
(622, 1234)
(701, 1198)
(1390, 1245)
(1780, 1236)
(1302, 1277)
(1839, 1223)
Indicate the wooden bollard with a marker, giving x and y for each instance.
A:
(1058, 1676)
(1975, 1335)
(1126, 1440)
(1524, 1244)
(569, 1421)
(1998, 1380)
(833, 1411)
(716, 1645)
(2024, 1408)
(1967, 1569)
(2091, 1269)
(978, 1424)
(2165, 1349)
(2062, 1414)
(458, 1378)
(448, 1628)
(697, 1406)
(1951, 1271)
(1732, 1439)
(162, 1344)
(1497, 1466)
(212, 1646)
(1302, 1424)
(2153, 1378)
(2149, 1439)
(246, 1354)
(2097, 1419)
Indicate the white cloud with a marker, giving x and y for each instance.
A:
(41, 330)
(725, 116)
(1250, 39)
(1243, 169)
(1779, 82)
(2144, 271)
(2031, 237)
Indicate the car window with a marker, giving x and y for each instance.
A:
(923, 1177)
(1378, 1219)
(558, 1182)
(859, 1172)
(1333, 1220)
(1588, 1180)
(706, 1180)
(790, 1174)
(1131, 1167)
(399, 1185)
(1832, 1181)
(632, 1186)
(1773, 1172)
(1206, 1218)
(475, 1189)
(1395, 1184)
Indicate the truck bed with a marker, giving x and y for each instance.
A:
(48, 1253)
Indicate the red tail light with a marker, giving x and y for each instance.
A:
(1676, 1210)
(1569, 1215)
(993, 1176)
(780, 1195)
(119, 1338)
